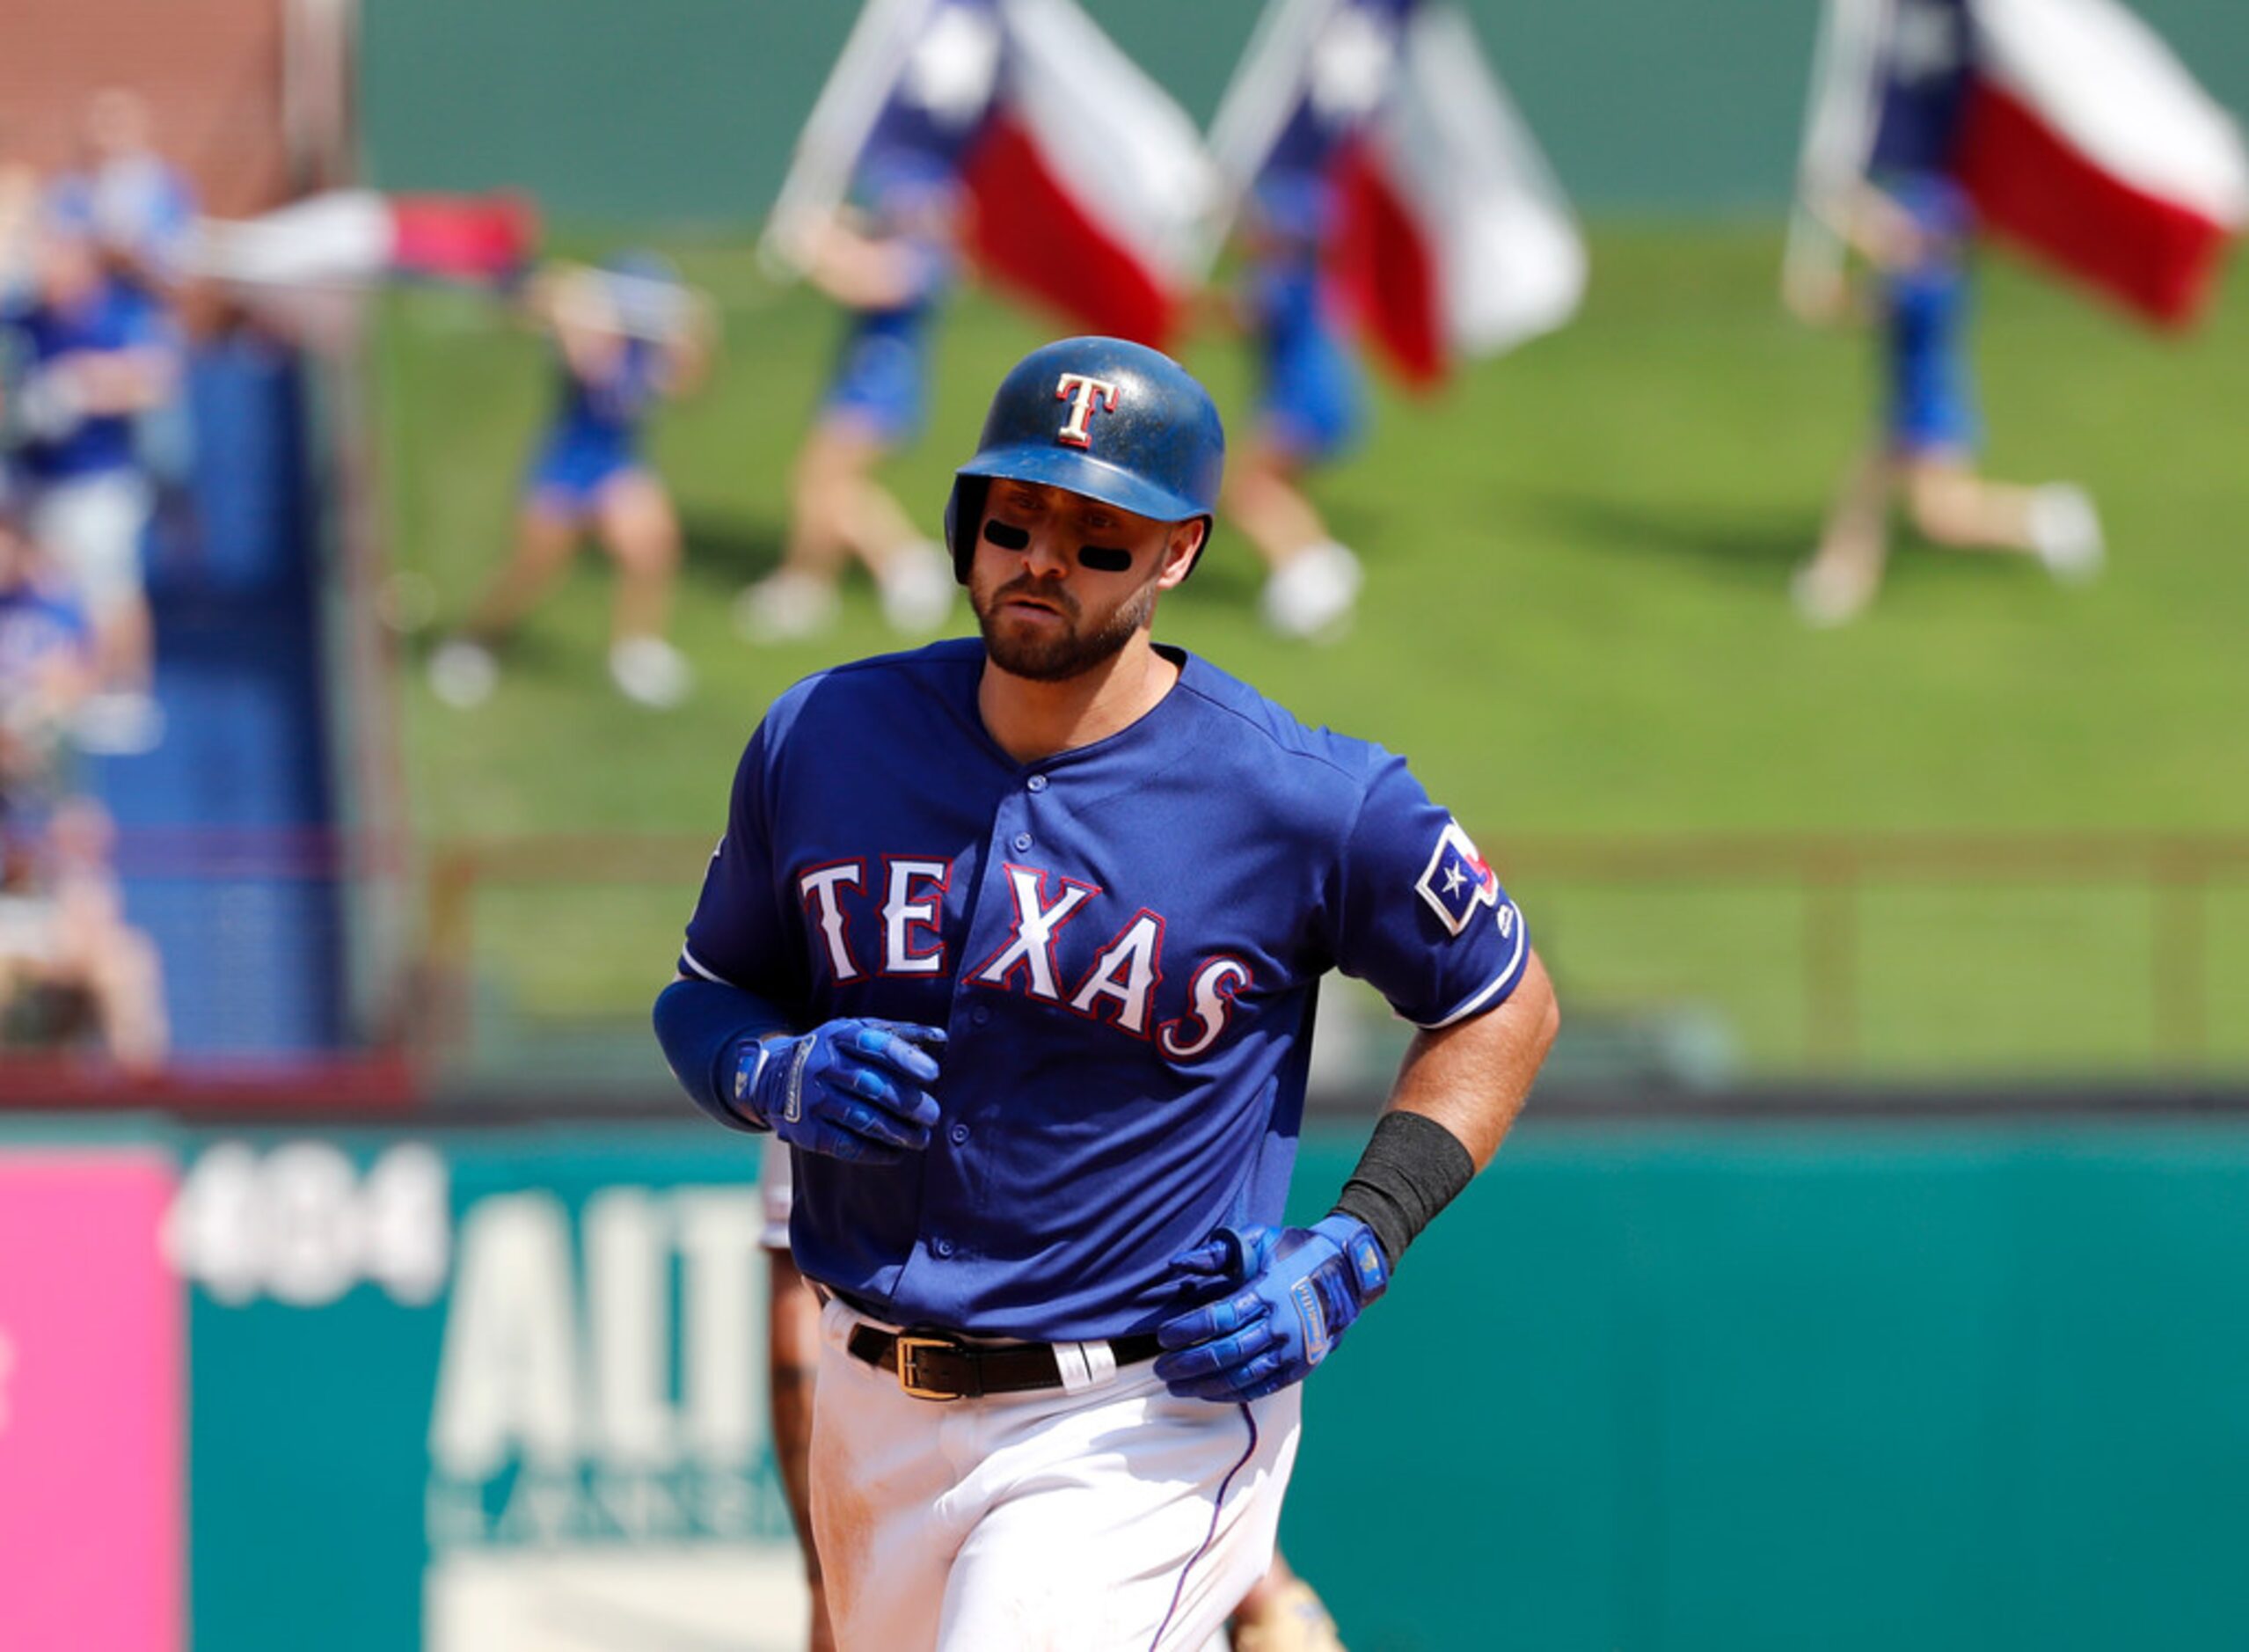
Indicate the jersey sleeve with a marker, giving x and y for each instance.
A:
(739, 935)
(1420, 915)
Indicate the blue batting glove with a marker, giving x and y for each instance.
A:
(1296, 1291)
(853, 1088)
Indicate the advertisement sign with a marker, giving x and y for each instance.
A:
(484, 1393)
(92, 1385)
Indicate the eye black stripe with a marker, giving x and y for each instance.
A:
(1006, 536)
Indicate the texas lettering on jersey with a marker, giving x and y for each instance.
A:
(1117, 985)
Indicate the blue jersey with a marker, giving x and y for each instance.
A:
(1931, 408)
(1123, 943)
(596, 429)
(882, 366)
(1309, 392)
(36, 628)
(115, 317)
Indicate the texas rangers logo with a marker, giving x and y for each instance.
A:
(1086, 395)
(1457, 882)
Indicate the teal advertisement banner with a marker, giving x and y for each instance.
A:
(1647, 1386)
(488, 1394)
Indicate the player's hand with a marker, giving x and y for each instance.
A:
(1296, 1291)
(853, 1088)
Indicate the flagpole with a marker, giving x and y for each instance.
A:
(1839, 119)
(819, 178)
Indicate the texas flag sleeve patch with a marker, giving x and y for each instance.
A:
(1457, 882)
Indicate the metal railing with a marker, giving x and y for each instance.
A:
(1834, 878)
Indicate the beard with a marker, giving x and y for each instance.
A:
(1057, 652)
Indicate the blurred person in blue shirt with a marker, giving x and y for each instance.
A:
(138, 205)
(90, 352)
(888, 258)
(72, 969)
(1309, 406)
(141, 211)
(46, 667)
(627, 337)
(1913, 229)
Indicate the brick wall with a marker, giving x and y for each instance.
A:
(211, 70)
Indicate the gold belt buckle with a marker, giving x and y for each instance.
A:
(909, 1349)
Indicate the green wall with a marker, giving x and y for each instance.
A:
(1729, 1385)
(682, 111)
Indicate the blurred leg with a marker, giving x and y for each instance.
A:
(1263, 501)
(545, 538)
(1312, 582)
(641, 532)
(792, 1352)
(829, 517)
(1953, 507)
(797, 599)
(1847, 570)
(1282, 1613)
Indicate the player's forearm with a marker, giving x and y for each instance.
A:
(700, 1025)
(1473, 1078)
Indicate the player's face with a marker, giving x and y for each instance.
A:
(1061, 582)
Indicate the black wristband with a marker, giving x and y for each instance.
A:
(1411, 1169)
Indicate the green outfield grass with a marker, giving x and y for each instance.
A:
(1576, 622)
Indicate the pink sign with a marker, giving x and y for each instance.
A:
(92, 1370)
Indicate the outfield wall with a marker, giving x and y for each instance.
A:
(1693, 1385)
(682, 111)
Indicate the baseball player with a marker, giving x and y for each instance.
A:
(1913, 229)
(1016, 940)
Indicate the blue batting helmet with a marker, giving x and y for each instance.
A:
(1113, 420)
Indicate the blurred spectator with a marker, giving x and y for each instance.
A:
(91, 352)
(140, 210)
(45, 667)
(136, 205)
(18, 215)
(1914, 233)
(888, 260)
(628, 335)
(1309, 405)
(72, 971)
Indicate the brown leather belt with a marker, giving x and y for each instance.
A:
(937, 1367)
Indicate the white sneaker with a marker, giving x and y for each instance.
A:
(1830, 594)
(1311, 596)
(118, 724)
(651, 671)
(2065, 530)
(463, 673)
(917, 588)
(786, 606)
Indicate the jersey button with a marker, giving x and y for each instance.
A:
(979, 1015)
(960, 1134)
(943, 1247)
(1023, 840)
(1037, 782)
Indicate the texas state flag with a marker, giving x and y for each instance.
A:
(1089, 187)
(1449, 236)
(2071, 125)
